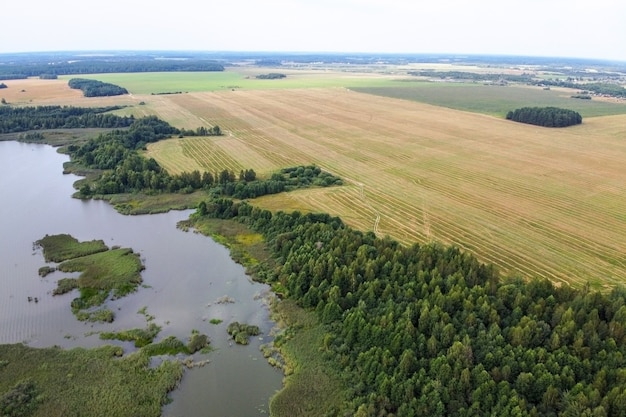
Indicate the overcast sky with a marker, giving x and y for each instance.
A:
(563, 28)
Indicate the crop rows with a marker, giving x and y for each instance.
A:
(533, 201)
(211, 157)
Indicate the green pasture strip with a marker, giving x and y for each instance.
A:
(174, 82)
(491, 99)
(94, 382)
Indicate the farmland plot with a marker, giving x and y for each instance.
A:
(534, 201)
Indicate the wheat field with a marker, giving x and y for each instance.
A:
(536, 202)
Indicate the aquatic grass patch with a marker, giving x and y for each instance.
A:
(58, 248)
(116, 269)
(102, 271)
(89, 382)
(141, 337)
(65, 285)
(171, 345)
(101, 315)
(44, 271)
(242, 332)
(197, 342)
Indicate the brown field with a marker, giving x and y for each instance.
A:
(534, 201)
(36, 92)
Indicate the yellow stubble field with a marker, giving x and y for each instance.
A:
(533, 201)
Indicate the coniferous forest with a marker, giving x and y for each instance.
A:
(429, 330)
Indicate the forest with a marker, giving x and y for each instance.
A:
(22, 119)
(43, 68)
(95, 88)
(545, 116)
(429, 330)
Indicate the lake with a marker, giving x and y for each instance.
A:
(186, 274)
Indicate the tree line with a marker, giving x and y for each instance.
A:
(429, 330)
(11, 71)
(545, 116)
(95, 88)
(124, 170)
(271, 76)
(473, 76)
(21, 119)
(609, 89)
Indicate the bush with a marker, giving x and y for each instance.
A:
(241, 332)
(197, 342)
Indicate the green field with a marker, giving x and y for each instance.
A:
(171, 82)
(491, 99)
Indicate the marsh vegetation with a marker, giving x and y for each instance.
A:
(104, 272)
(97, 382)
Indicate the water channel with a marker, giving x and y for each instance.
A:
(186, 274)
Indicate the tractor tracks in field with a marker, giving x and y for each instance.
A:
(367, 203)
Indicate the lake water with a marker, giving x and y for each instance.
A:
(186, 273)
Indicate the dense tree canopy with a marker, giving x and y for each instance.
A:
(545, 116)
(271, 76)
(95, 88)
(21, 119)
(428, 330)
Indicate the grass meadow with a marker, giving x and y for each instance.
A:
(494, 100)
(245, 78)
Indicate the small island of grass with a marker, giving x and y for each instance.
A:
(59, 248)
(241, 332)
(103, 271)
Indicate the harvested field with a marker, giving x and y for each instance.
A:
(37, 92)
(534, 201)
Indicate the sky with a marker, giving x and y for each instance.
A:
(560, 28)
